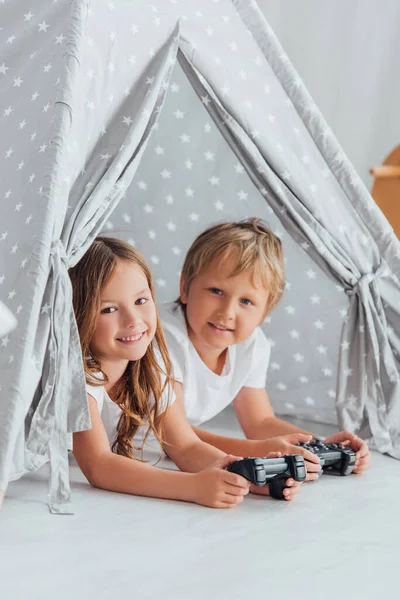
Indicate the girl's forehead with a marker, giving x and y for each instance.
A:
(126, 275)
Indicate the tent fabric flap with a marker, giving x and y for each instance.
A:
(362, 405)
(70, 225)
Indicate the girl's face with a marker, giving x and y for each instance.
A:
(127, 320)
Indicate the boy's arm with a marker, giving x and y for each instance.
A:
(230, 445)
(258, 422)
(181, 443)
(257, 418)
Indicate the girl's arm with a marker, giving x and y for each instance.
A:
(212, 487)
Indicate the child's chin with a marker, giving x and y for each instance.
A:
(133, 353)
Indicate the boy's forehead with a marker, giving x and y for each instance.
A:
(223, 267)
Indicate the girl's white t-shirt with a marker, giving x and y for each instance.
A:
(110, 413)
(205, 393)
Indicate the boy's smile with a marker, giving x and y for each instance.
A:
(220, 328)
(222, 310)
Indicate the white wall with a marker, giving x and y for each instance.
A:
(348, 54)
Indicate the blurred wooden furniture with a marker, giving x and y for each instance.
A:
(386, 188)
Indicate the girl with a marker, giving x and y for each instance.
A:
(130, 393)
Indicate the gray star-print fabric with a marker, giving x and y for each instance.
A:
(150, 122)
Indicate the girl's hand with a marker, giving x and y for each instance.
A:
(285, 444)
(363, 460)
(218, 488)
(289, 492)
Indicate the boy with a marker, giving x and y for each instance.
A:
(233, 276)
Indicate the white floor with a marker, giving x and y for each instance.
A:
(339, 539)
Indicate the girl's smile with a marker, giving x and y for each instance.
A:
(131, 339)
(127, 321)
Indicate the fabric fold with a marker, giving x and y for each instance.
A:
(366, 352)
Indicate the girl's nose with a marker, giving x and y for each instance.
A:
(131, 318)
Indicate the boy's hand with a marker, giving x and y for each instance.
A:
(363, 460)
(218, 488)
(289, 492)
(285, 444)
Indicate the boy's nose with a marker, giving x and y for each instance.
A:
(228, 311)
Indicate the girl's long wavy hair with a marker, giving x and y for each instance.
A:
(142, 378)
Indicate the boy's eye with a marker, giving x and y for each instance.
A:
(216, 291)
(108, 310)
(140, 301)
(246, 302)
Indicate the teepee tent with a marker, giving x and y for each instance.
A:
(151, 121)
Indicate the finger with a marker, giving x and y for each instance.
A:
(340, 435)
(260, 491)
(312, 476)
(232, 498)
(313, 458)
(295, 438)
(362, 449)
(363, 461)
(346, 443)
(359, 470)
(223, 462)
(296, 486)
(288, 494)
(233, 490)
(226, 504)
(274, 455)
(235, 480)
(312, 467)
(362, 466)
(292, 491)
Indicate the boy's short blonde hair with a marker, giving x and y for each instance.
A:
(256, 247)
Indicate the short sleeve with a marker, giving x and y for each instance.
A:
(168, 395)
(177, 359)
(174, 326)
(97, 391)
(260, 350)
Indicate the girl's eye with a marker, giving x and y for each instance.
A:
(141, 301)
(109, 310)
(246, 302)
(215, 291)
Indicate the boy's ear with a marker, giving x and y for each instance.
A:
(182, 292)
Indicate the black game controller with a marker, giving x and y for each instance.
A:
(272, 471)
(334, 457)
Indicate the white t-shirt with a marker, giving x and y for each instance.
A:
(205, 393)
(110, 413)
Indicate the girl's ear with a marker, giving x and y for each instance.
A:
(182, 292)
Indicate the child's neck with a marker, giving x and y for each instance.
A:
(215, 361)
(114, 372)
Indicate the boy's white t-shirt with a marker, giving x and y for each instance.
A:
(206, 394)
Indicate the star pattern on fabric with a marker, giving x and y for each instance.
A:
(172, 209)
(188, 177)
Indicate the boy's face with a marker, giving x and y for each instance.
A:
(222, 310)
